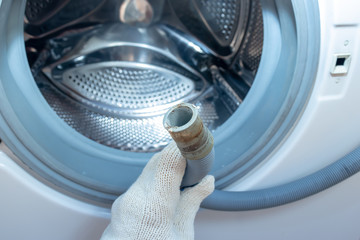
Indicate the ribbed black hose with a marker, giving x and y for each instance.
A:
(286, 193)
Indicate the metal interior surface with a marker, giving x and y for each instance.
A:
(112, 81)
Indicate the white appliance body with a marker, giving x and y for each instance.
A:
(327, 130)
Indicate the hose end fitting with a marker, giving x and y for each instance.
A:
(193, 139)
(185, 126)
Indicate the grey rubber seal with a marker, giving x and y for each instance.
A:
(59, 156)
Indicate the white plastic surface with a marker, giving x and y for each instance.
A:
(345, 11)
(31, 210)
(331, 215)
(328, 129)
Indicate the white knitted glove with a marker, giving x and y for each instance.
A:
(154, 207)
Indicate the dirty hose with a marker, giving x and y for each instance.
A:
(193, 139)
(289, 192)
(181, 122)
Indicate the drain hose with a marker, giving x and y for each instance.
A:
(197, 170)
(286, 193)
(196, 145)
(193, 139)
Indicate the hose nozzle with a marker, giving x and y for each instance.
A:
(193, 139)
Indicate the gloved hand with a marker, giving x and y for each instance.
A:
(154, 207)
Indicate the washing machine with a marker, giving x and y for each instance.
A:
(84, 86)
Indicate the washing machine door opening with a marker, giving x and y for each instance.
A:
(83, 100)
(112, 79)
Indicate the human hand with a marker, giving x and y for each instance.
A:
(154, 207)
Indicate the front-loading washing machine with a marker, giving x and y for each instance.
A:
(84, 86)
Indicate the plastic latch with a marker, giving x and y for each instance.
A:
(340, 64)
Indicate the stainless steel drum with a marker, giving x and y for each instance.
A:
(110, 69)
